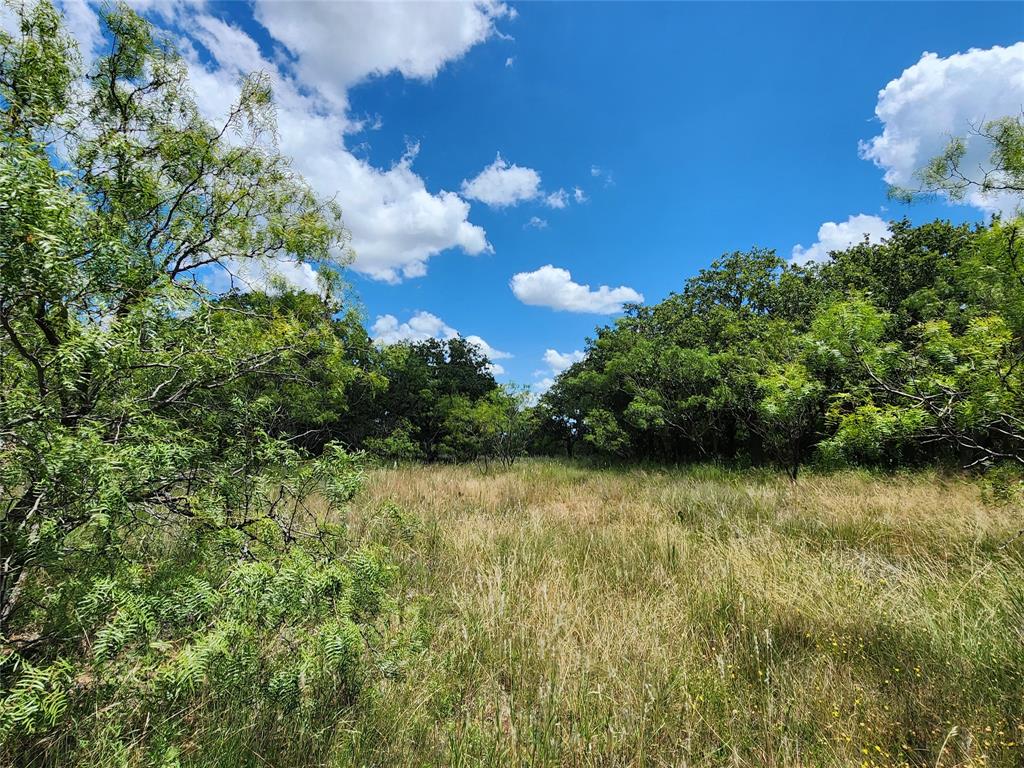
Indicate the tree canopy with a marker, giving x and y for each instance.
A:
(893, 353)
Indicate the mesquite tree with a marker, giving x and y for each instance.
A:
(140, 412)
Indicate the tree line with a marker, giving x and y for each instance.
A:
(891, 354)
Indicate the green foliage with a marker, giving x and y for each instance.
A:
(788, 409)
(36, 70)
(497, 426)
(1004, 484)
(169, 493)
(946, 173)
(37, 699)
(895, 353)
(425, 407)
(605, 434)
(952, 382)
(397, 446)
(874, 434)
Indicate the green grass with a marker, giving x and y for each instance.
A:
(558, 615)
(581, 617)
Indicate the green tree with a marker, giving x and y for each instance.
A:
(892, 353)
(512, 423)
(430, 386)
(1004, 173)
(102, 315)
(789, 410)
(157, 538)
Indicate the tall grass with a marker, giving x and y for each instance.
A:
(557, 615)
(698, 617)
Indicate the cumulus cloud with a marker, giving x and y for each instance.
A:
(559, 361)
(837, 236)
(502, 184)
(551, 286)
(558, 199)
(939, 98)
(543, 385)
(490, 353)
(536, 222)
(340, 44)
(397, 223)
(556, 363)
(421, 326)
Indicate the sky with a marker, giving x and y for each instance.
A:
(515, 172)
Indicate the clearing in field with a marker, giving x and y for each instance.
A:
(696, 617)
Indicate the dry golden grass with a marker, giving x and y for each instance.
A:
(577, 617)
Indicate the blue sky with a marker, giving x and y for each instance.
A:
(722, 126)
(689, 129)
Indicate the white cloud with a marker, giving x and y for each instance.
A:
(938, 98)
(421, 326)
(559, 361)
(558, 199)
(553, 287)
(397, 224)
(598, 172)
(501, 184)
(543, 385)
(340, 44)
(84, 26)
(536, 222)
(510, 61)
(490, 353)
(833, 236)
(168, 10)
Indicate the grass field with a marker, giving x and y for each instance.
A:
(580, 617)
